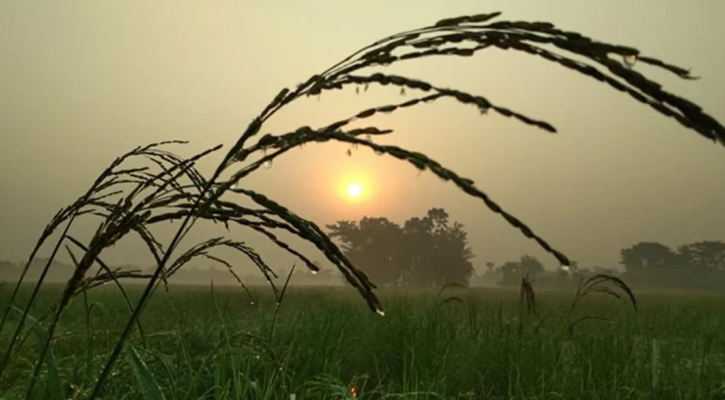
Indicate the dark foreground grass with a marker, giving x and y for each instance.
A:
(213, 343)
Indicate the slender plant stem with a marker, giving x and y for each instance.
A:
(36, 289)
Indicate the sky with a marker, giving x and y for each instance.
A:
(84, 81)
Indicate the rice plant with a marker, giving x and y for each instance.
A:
(130, 197)
(606, 284)
(528, 297)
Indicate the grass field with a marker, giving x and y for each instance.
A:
(209, 342)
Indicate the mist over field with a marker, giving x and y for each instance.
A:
(83, 82)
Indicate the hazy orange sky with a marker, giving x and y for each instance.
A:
(82, 82)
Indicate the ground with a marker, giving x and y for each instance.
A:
(204, 343)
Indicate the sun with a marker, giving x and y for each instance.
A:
(354, 190)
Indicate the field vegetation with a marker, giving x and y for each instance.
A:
(211, 342)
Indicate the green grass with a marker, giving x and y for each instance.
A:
(200, 343)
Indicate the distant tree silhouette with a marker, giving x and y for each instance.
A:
(512, 271)
(425, 251)
(650, 263)
(705, 262)
(695, 265)
(706, 256)
(698, 265)
(373, 244)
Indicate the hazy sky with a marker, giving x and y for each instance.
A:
(82, 82)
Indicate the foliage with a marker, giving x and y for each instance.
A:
(650, 261)
(197, 347)
(698, 265)
(375, 245)
(704, 257)
(606, 284)
(513, 271)
(426, 251)
(648, 256)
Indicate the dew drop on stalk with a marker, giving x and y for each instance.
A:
(379, 152)
(365, 88)
(357, 90)
(369, 138)
(380, 312)
(267, 164)
(314, 272)
(402, 91)
(483, 110)
(630, 60)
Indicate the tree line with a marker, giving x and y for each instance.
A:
(430, 251)
(425, 251)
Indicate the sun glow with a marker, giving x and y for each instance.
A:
(354, 190)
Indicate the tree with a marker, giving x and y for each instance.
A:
(426, 251)
(704, 256)
(696, 265)
(512, 271)
(437, 252)
(373, 244)
(651, 263)
(705, 263)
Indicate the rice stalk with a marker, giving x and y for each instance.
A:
(54, 384)
(122, 218)
(278, 303)
(105, 186)
(448, 299)
(527, 294)
(617, 289)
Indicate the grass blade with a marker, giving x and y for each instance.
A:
(53, 382)
(149, 388)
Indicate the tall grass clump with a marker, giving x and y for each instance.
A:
(151, 185)
(603, 283)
